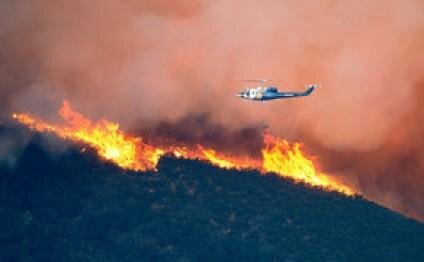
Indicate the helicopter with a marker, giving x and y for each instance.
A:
(266, 93)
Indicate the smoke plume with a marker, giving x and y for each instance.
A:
(170, 68)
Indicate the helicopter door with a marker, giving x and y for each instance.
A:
(252, 93)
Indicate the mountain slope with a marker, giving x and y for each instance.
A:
(74, 207)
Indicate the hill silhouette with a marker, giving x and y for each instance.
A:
(74, 207)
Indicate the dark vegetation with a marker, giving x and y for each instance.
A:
(74, 207)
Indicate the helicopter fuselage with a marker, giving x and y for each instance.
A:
(270, 93)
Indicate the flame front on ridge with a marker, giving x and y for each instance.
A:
(131, 152)
(282, 158)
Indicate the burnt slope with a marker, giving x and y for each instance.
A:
(74, 207)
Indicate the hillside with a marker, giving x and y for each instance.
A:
(73, 207)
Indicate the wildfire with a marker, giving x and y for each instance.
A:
(105, 136)
(229, 161)
(288, 160)
(131, 152)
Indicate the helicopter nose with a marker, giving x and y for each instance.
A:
(241, 94)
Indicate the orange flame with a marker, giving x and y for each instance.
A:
(131, 152)
(289, 161)
(105, 136)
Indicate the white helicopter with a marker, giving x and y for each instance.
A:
(265, 93)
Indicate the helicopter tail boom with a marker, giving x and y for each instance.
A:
(310, 89)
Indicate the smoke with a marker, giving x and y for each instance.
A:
(12, 144)
(199, 129)
(169, 68)
(391, 174)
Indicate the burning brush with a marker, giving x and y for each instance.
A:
(129, 152)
